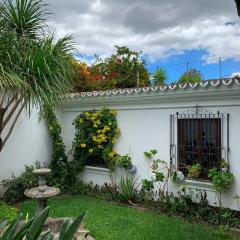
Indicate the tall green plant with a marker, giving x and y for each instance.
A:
(160, 76)
(35, 68)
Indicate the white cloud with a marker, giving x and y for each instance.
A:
(158, 28)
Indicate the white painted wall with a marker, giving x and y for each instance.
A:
(28, 143)
(144, 123)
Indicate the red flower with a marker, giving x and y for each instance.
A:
(119, 60)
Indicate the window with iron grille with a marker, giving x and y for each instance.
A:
(201, 138)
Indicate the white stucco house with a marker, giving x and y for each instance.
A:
(186, 123)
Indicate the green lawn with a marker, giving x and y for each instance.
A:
(110, 222)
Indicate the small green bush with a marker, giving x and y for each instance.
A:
(15, 187)
(7, 212)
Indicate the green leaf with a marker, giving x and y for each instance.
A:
(64, 228)
(10, 232)
(3, 225)
(68, 235)
(36, 227)
(148, 154)
(21, 233)
(47, 236)
(154, 151)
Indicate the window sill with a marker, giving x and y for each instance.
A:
(196, 184)
(97, 170)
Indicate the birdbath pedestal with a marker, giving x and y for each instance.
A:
(42, 192)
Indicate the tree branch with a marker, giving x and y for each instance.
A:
(238, 6)
(3, 142)
(6, 120)
(3, 97)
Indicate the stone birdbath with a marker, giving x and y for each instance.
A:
(42, 192)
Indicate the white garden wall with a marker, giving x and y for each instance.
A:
(28, 143)
(144, 120)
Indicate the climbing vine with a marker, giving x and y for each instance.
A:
(62, 176)
(96, 133)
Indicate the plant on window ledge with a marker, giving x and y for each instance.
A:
(221, 180)
(194, 171)
(96, 133)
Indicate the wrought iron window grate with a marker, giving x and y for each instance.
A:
(199, 136)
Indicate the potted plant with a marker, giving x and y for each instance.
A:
(194, 171)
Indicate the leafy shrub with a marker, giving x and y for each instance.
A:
(147, 184)
(120, 70)
(192, 76)
(7, 212)
(16, 186)
(124, 161)
(107, 191)
(221, 179)
(96, 133)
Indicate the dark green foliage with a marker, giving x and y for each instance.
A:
(147, 184)
(192, 76)
(62, 175)
(16, 186)
(107, 191)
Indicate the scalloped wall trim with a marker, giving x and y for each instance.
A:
(161, 88)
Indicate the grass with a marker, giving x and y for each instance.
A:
(111, 222)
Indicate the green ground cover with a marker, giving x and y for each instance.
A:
(107, 221)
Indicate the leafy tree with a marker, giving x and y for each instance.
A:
(125, 69)
(191, 76)
(160, 76)
(35, 68)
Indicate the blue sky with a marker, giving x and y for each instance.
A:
(176, 65)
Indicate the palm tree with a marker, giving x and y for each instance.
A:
(160, 76)
(35, 69)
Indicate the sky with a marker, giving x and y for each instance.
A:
(169, 33)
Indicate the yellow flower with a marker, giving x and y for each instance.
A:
(83, 145)
(117, 131)
(81, 120)
(113, 112)
(90, 150)
(99, 131)
(95, 125)
(94, 138)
